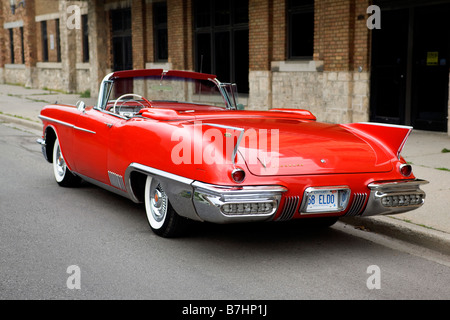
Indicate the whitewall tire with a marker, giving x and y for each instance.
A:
(161, 217)
(63, 176)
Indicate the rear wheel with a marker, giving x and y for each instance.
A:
(64, 177)
(162, 218)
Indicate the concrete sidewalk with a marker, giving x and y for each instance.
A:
(428, 226)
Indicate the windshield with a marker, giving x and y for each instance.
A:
(160, 90)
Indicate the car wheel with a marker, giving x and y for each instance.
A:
(162, 218)
(64, 177)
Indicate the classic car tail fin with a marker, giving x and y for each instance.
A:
(297, 113)
(392, 137)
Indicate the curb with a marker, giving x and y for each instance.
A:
(429, 238)
(22, 122)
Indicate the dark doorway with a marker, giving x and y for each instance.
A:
(431, 61)
(389, 64)
(410, 66)
(221, 40)
(121, 39)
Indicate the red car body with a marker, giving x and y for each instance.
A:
(201, 157)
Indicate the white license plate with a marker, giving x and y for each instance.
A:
(323, 200)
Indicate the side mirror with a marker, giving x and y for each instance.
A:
(240, 106)
(81, 106)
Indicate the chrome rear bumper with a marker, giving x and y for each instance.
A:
(221, 204)
(393, 197)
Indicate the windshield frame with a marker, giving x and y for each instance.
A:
(225, 89)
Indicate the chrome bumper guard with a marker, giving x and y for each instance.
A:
(43, 144)
(220, 204)
(393, 197)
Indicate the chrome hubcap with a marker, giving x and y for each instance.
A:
(60, 164)
(159, 204)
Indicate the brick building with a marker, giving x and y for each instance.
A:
(318, 55)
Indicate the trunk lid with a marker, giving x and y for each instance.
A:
(274, 146)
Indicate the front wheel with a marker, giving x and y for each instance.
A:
(162, 218)
(64, 177)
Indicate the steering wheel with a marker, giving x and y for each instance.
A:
(131, 95)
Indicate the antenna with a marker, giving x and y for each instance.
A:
(201, 70)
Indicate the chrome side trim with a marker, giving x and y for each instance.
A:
(66, 124)
(116, 180)
(201, 201)
(56, 121)
(104, 186)
(164, 174)
(178, 188)
(380, 190)
(238, 190)
(84, 130)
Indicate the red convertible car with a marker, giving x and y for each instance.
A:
(179, 142)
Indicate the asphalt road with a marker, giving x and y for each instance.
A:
(46, 229)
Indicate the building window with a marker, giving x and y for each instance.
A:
(85, 36)
(22, 47)
(221, 40)
(122, 45)
(44, 41)
(160, 31)
(11, 45)
(300, 29)
(58, 42)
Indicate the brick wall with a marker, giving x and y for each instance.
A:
(332, 85)
(260, 34)
(30, 35)
(279, 31)
(179, 31)
(139, 29)
(7, 45)
(39, 53)
(45, 6)
(333, 34)
(341, 38)
(362, 38)
(21, 71)
(8, 17)
(149, 47)
(17, 46)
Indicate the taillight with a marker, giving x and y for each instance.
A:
(405, 170)
(238, 175)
